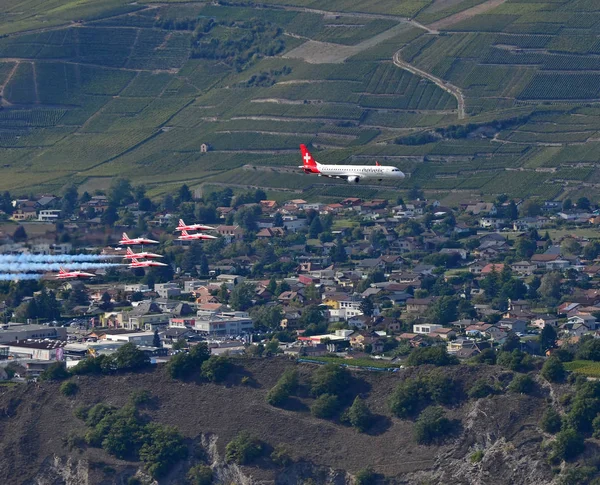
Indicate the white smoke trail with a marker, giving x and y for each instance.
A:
(52, 258)
(28, 267)
(19, 276)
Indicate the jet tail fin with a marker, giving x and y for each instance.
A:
(125, 237)
(307, 158)
(377, 164)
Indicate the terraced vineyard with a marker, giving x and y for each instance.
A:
(91, 90)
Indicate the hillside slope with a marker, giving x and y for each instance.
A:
(90, 90)
(35, 419)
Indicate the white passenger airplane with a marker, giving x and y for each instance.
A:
(352, 173)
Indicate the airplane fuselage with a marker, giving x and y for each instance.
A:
(361, 171)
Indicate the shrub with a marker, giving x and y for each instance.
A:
(73, 440)
(325, 406)
(481, 388)
(583, 475)
(243, 449)
(163, 447)
(486, 356)
(406, 398)
(516, 360)
(568, 444)
(285, 386)
(522, 384)
(277, 395)
(97, 413)
(140, 397)
(432, 425)
(68, 388)
(129, 357)
(476, 456)
(359, 415)
(200, 475)
(553, 370)
(431, 355)
(551, 421)
(366, 476)
(280, 456)
(216, 368)
(55, 372)
(441, 388)
(330, 379)
(89, 365)
(183, 365)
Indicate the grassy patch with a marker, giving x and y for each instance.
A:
(585, 367)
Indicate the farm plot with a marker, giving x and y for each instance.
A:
(572, 86)
(21, 87)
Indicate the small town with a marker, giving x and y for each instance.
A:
(361, 282)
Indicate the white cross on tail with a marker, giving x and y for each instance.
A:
(306, 158)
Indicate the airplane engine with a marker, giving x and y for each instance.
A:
(353, 179)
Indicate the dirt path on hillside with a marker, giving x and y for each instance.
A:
(3, 101)
(446, 86)
(444, 23)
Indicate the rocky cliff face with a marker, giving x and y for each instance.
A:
(35, 419)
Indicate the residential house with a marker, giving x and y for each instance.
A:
(419, 305)
(426, 328)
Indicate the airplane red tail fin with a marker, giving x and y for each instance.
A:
(125, 237)
(184, 233)
(307, 159)
(62, 271)
(181, 223)
(377, 164)
(134, 260)
(129, 251)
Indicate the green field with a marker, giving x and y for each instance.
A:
(95, 89)
(585, 367)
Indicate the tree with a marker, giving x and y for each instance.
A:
(120, 192)
(522, 384)
(548, 338)
(366, 476)
(325, 406)
(241, 296)
(551, 421)
(512, 211)
(110, 216)
(568, 444)
(55, 372)
(162, 448)
(359, 415)
(156, 340)
(315, 228)
(19, 235)
(481, 388)
(184, 194)
(567, 204)
(432, 425)
(339, 254)
(200, 475)
(330, 379)
(583, 204)
(129, 357)
(525, 248)
(243, 449)
(443, 310)
(431, 355)
(516, 360)
(278, 220)
(267, 316)
(216, 368)
(367, 307)
(553, 370)
(550, 285)
(570, 246)
(312, 293)
(589, 350)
